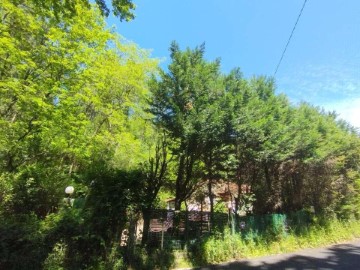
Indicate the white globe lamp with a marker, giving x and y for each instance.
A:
(69, 190)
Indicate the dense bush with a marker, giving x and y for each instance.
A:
(225, 246)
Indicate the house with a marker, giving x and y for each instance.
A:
(223, 192)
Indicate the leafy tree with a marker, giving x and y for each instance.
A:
(257, 123)
(72, 97)
(216, 139)
(286, 154)
(155, 174)
(180, 97)
(120, 8)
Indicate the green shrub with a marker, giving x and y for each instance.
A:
(55, 259)
(224, 247)
(142, 258)
(22, 244)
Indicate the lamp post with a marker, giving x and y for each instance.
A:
(69, 190)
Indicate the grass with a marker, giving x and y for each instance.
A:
(227, 247)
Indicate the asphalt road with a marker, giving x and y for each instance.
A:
(337, 257)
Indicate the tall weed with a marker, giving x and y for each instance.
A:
(226, 247)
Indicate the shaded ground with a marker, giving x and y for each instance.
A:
(337, 257)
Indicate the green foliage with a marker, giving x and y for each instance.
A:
(152, 259)
(67, 88)
(291, 156)
(55, 259)
(67, 92)
(67, 9)
(72, 111)
(184, 104)
(216, 249)
(75, 106)
(22, 242)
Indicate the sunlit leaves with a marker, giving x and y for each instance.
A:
(72, 93)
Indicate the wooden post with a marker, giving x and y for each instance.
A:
(162, 233)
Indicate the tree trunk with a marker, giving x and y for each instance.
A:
(146, 226)
(267, 176)
(179, 182)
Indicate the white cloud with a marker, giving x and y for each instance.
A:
(348, 110)
(335, 87)
(320, 84)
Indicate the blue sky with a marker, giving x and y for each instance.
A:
(321, 65)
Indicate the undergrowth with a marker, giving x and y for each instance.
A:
(225, 246)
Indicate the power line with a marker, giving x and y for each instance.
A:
(292, 32)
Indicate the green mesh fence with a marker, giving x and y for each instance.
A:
(176, 230)
(272, 224)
